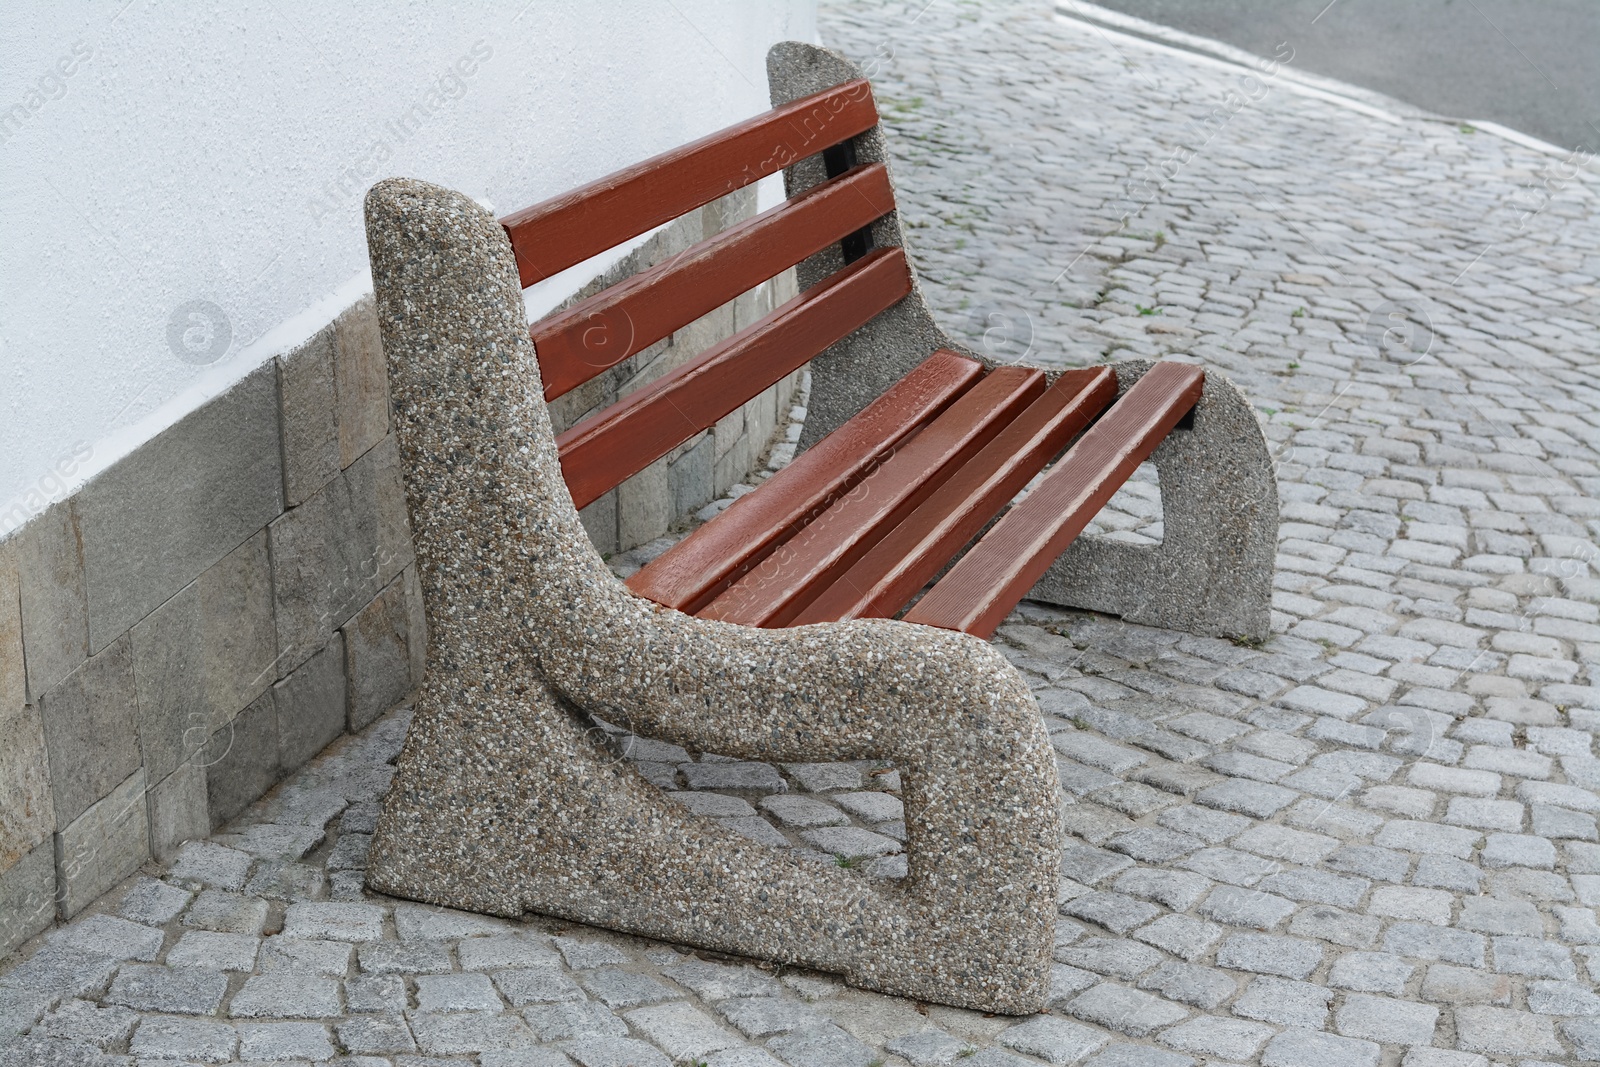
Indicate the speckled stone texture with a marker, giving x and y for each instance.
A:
(505, 800)
(1212, 574)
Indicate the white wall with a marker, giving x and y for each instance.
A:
(214, 156)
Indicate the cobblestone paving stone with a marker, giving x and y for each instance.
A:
(1371, 840)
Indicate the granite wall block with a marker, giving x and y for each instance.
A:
(102, 846)
(179, 810)
(27, 812)
(242, 760)
(179, 503)
(381, 662)
(55, 608)
(27, 896)
(91, 727)
(310, 705)
(334, 553)
(362, 382)
(203, 655)
(309, 412)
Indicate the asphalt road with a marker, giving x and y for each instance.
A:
(1527, 64)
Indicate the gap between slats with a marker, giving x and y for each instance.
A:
(698, 568)
(786, 582)
(619, 442)
(978, 592)
(551, 236)
(885, 579)
(593, 335)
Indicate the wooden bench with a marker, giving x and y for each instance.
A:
(867, 515)
(504, 802)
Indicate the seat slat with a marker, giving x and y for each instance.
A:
(602, 331)
(978, 593)
(565, 230)
(700, 566)
(624, 439)
(773, 593)
(885, 579)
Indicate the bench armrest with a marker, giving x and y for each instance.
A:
(500, 795)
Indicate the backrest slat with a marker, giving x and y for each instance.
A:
(568, 229)
(619, 442)
(602, 331)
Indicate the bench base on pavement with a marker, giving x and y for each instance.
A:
(505, 802)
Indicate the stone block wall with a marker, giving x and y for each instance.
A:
(198, 620)
(213, 610)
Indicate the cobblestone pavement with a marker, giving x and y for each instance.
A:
(1370, 841)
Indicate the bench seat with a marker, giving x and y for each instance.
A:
(858, 524)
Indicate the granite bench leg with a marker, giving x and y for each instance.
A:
(505, 802)
(1212, 572)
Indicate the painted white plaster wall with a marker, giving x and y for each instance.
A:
(154, 156)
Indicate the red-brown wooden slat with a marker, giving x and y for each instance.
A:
(780, 588)
(627, 437)
(703, 564)
(978, 593)
(602, 331)
(885, 579)
(553, 235)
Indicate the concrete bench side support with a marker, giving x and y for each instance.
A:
(506, 801)
(1212, 573)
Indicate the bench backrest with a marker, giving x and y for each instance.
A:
(600, 332)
